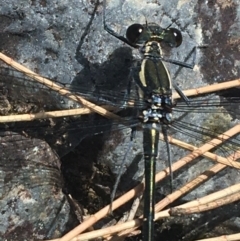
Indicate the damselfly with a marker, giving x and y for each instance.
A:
(84, 128)
(57, 134)
(155, 88)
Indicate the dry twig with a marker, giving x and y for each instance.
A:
(233, 237)
(205, 207)
(50, 84)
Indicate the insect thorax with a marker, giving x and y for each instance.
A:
(158, 109)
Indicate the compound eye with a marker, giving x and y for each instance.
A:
(133, 32)
(176, 37)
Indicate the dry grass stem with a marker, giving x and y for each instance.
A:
(121, 236)
(44, 115)
(212, 156)
(50, 84)
(233, 237)
(210, 88)
(212, 197)
(205, 207)
(103, 232)
(49, 114)
(202, 201)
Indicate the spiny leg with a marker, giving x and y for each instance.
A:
(112, 32)
(113, 194)
(191, 66)
(165, 136)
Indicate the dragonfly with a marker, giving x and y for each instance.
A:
(134, 120)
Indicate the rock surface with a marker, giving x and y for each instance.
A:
(31, 200)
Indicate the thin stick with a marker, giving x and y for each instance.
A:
(122, 235)
(205, 207)
(48, 114)
(131, 214)
(106, 231)
(58, 88)
(212, 156)
(212, 197)
(204, 200)
(44, 115)
(102, 213)
(232, 237)
(210, 88)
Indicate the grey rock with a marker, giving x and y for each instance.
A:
(31, 200)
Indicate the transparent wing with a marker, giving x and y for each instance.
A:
(19, 95)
